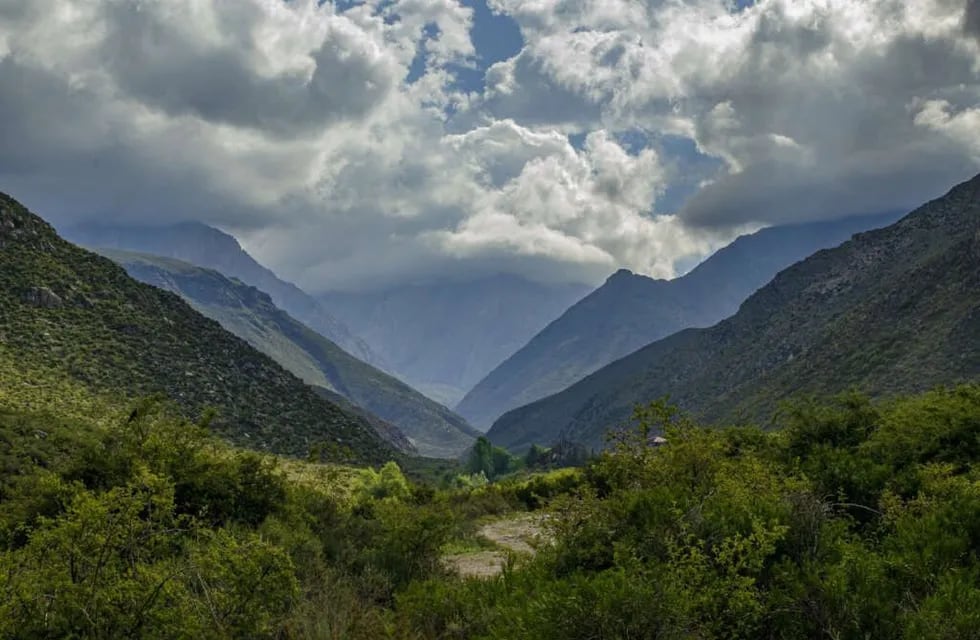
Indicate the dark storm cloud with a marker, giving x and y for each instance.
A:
(860, 148)
(971, 18)
(63, 155)
(778, 195)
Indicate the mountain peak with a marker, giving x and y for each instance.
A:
(632, 310)
(620, 274)
(204, 246)
(890, 311)
(17, 223)
(200, 230)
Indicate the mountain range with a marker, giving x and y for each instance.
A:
(207, 247)
(442, 338)
(73, 322)
(250, 314)
(630, 311)
(892, 310)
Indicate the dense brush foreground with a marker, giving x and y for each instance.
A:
(855, 520)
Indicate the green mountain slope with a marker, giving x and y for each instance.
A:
(211, 248)
(443, 337)
(892, 310)
(72, 318)
(630, 311)
(250, 314)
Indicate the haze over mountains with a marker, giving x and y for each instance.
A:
(72, 321)
(630, 311)
(250, 314)
(439, 338)
(442, 338)
(892, 310)
(518, 341)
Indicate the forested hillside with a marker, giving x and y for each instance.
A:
(71, 317)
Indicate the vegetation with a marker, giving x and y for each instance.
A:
(150, 528)
(198, 244)
(71, 318)
(629, 311)
(855, 520)
(891, 311)
(490, 461)
(251, 315)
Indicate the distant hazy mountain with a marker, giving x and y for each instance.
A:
(630, 311)
(251, 315)
(443, 338)
(208, 247)
(892, 310)
(72, 320)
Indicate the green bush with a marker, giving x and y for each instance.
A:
(857, 520)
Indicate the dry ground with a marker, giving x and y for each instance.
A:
(515, 535)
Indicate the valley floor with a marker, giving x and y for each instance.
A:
(516, 536)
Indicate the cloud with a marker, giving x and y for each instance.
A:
(971, 18)
(500, 197)
(337, 142)
(811, 104)
(958, 125)
(575, 206)
(218, 66)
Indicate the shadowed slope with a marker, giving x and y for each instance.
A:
(892, 310)
(630, 311)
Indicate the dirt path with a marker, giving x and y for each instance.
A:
(515, 535)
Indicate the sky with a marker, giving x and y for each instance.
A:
(354, 144)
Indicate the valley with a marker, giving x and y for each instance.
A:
(182, 457)
(251, 315)
(443, 338)
(489, 320)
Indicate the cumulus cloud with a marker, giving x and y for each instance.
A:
(577, 206)
(811, 104)
(960, 126)
(336, 141)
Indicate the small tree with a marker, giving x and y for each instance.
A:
(388, 482)
(489, 460)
